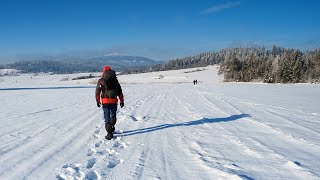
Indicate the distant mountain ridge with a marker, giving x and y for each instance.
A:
(124, 60)
(117, 62)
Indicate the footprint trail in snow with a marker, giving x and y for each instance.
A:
(103, 153)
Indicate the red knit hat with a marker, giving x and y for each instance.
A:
(106, 68)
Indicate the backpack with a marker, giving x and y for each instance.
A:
(109, 84)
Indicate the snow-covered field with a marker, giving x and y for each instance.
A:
(168, 129)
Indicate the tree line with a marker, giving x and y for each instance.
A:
(200, 60)
(275, 65)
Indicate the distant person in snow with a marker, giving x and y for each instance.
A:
(108, 90)
(194, 82)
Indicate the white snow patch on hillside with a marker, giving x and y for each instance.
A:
(8, 72)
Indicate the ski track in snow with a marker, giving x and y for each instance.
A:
(165, 131)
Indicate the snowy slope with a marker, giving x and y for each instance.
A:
(44, 80)
(8, 72)
(168, 129)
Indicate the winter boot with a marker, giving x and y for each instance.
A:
(109, 129)
(109, 136)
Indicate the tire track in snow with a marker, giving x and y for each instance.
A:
(138, 172)
(73, 140)
(288, 135)
(282, 159)
(42, 111)
(281, 117)
(145, 157)
(252, 105)
(234, 109)
(34, 121)
(207, 170)
(18, 143)
(45, 151)
(275, 131)
(235, 140)
(131, 108)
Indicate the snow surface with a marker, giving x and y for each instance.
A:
(8, 72)
(168, 129)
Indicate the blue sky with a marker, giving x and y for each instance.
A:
(158, 29)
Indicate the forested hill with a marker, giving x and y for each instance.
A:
(200, 60)
(95, 64)
(252, 64)
(276, 65)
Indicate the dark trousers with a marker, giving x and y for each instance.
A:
(110, 113)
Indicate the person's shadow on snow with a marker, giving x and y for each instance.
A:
(190, 123)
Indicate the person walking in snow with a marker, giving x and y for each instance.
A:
(109, 90)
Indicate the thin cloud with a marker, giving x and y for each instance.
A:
(220, 7)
